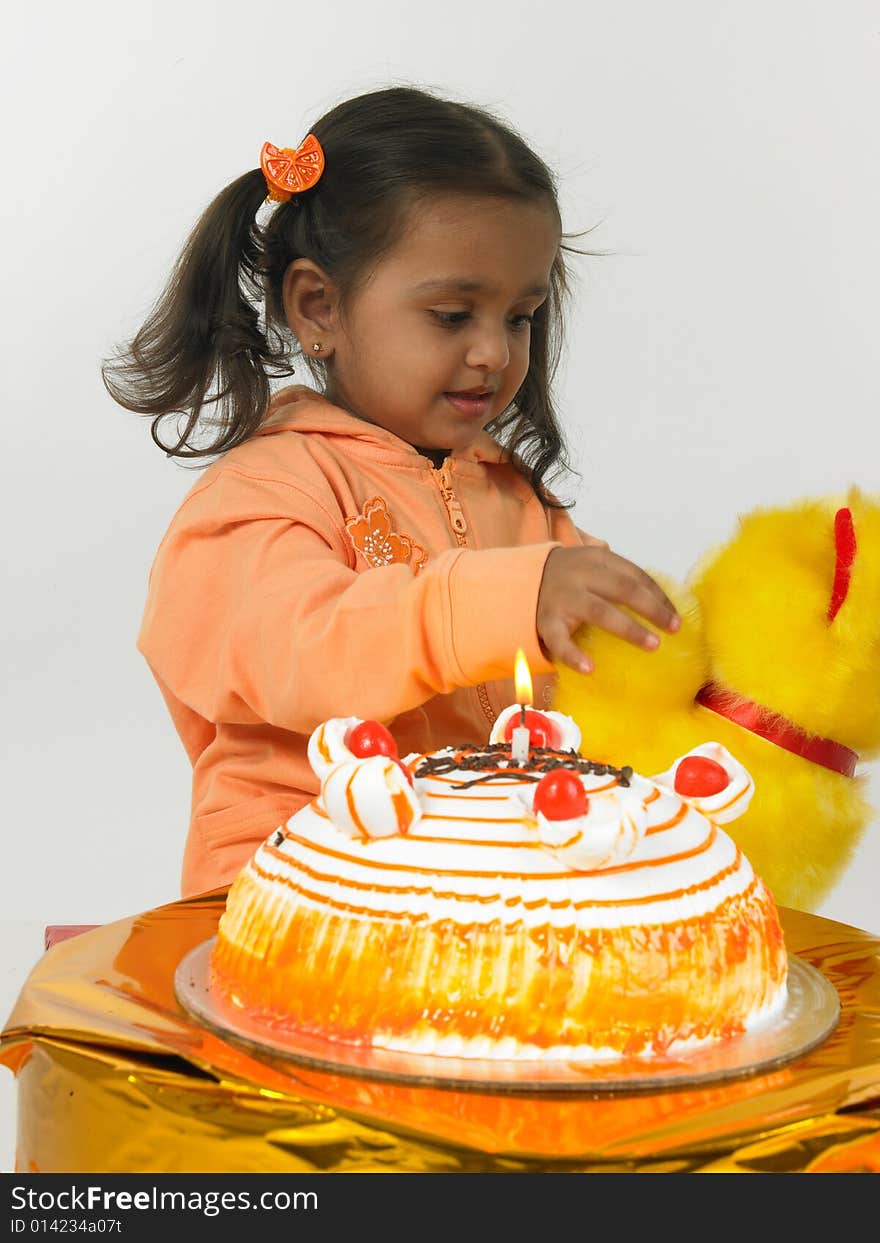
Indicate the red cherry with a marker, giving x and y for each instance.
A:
(370, 738)
(560, 795)
(542, 731)
(698, 775)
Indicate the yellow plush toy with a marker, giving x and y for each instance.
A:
(778, 660)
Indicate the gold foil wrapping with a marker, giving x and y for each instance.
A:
(113, 1077)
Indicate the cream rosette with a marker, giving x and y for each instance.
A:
(726, 804)
(569, 733)
(616, 820)
(327, 744)
(370, 798)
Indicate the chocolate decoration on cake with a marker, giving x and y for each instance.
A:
(494, 761)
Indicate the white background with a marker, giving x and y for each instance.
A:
(722, 356)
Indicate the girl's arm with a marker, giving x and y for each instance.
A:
(252, 616)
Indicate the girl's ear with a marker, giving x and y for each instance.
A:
(310, 304)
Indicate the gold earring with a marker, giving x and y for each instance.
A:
(316, 348)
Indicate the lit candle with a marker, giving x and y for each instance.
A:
(519, 741)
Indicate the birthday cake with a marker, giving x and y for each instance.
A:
(468, 903)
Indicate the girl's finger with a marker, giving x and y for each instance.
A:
(560, 648)
(638, 591)
(602, 613)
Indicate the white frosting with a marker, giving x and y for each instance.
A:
(614, 825)
(370, 798)
(728, 803)
(327, 744)
(569, 733)
(475, 855)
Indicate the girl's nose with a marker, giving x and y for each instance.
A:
(489, 348)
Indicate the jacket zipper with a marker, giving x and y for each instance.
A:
(458, 522)
(453, 508)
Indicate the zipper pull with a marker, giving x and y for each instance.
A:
(456, 515)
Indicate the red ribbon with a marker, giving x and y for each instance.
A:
(845, 555)
(776, 729)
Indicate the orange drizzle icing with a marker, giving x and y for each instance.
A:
(627, 866)
(386, 866)
(511, 779)
(729, 803)
(374, 887)
(671, 822)
(692, 853)
(352, 807)
(369, 887)
(321, 899)
(430, 815)
(402, 810)
(483, 798)
(494, 842)
(323, 749)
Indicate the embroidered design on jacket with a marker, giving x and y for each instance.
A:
(372, 535)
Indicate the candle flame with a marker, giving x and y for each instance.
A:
(522, 678)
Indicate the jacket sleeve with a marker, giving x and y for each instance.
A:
(254, 613)
(563, 529)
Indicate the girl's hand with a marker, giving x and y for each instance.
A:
(587, 585)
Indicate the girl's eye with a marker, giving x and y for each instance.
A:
(450, 319)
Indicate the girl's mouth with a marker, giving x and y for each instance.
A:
(470, 403)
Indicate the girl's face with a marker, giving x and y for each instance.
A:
(436, 344)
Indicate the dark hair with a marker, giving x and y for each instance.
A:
(217, 335)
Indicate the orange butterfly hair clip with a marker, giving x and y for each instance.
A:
(289, 172)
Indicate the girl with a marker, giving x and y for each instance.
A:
(380, 543)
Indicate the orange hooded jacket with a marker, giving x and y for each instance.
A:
(325, 568)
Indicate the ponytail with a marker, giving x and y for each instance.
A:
(202, 344)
